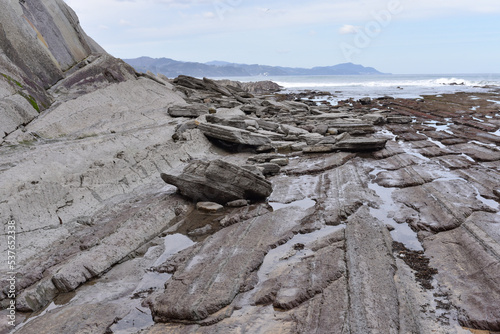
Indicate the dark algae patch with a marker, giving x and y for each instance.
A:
(417, 261)
(28, 97)
(31, 100)
(10, 79)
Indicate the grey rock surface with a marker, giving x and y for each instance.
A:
(39, 42)
(218, 181)
(233, 135)
(402, 239)
(191, 110)
(360, 144)
(269, 168)
(212, 289)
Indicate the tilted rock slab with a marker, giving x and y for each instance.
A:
(361, 144)
(219, 181)
(371, 271)
(233, 135)
(222, 267)
(467, 262)
(39, 41)
(190, 110)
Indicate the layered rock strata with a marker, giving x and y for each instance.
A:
(103, 245)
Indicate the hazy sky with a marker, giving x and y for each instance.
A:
(397, 36)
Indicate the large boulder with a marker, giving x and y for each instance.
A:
(233, 135)
(360, 144)
(218, 181)
(189, 110)
(352, 127)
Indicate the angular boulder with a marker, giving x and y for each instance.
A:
(399, 119)
(322, 148)
(190, 110)
(233, 135)
(270, 168)
(218, 181)
(360, 144)
(352, 127)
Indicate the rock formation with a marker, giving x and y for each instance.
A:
(219, 181)
(39, 42)
(372, 216)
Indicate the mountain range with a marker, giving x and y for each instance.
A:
(173, 68)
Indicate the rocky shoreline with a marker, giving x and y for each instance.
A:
(142, 204)
(390, 202)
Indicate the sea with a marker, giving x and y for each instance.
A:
(343, 87)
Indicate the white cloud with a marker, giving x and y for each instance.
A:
(284, 51)
(209, 15)
(348, 29)
(170, 20)
(125, 23)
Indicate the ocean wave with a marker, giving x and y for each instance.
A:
(440, 82)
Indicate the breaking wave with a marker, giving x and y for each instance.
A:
(333, 82)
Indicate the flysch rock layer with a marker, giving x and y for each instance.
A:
(39, 42)
(391, 227)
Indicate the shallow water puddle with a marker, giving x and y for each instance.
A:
(174, 243)
(467, 157)
(198, 225)
(100, 290)
(293, 251)
(492, 204)
(435, 142)
(140, 317)
(387, 133)
(441, 127)
(489, 202)
(483, 144)
(402, 232)
(288, 252)
(411, 151)
(496, 133)
(41, 313)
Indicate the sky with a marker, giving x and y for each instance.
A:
(393, 36)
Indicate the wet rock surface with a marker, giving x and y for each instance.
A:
(379, 218)
(339, 219)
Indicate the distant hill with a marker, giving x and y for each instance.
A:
(172, 68)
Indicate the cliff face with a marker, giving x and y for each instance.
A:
(39, 41)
